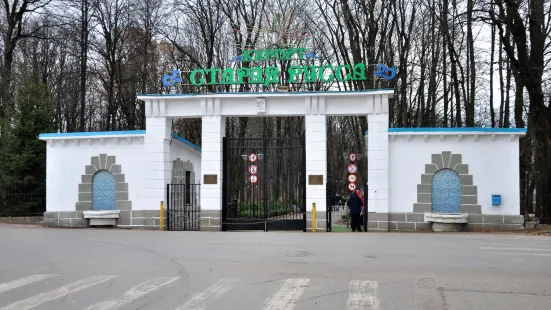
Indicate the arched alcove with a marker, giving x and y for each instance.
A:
(446, 192)
(103, 191)
(447, 161)
(106, 163)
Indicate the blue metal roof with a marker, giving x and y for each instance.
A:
(110, 133)
(459, 129)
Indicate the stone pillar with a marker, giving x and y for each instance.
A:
(377, 155)
(212, 131)
(158, 166)
(316, 151)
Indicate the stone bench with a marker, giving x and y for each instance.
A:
(450, 222)
(102, 218)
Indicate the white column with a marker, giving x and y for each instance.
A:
(377, 154)
(212, 131)
(158, 166)
(316, 151)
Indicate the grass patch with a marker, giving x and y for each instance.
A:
(339, 228)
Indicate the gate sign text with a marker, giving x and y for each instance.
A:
(274, 54)
(272, 75)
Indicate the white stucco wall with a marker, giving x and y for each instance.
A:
(186, 152)
(66, 161)
(493, 161)
(67, 156)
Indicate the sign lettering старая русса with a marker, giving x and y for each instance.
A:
(271, 74)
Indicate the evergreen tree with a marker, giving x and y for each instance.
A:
(33, 115)
(23, 156)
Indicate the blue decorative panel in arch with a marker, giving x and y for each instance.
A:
(103, 191)
(446, 192)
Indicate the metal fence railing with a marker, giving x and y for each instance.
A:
(183, 207)
(22, 197)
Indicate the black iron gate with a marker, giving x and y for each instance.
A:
(329, 207)
(264, 184)
(183, 211)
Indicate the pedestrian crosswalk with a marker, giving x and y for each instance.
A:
(36, 300)
(288, 295)
(284, 294)
(133, 294)
(363, 295)
(517, 251)
(212, 293)
(23, 281)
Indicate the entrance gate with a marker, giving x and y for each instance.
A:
(264, 184)
(331, 189)
(182, 207)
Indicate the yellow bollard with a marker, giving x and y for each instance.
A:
(314, 221)
(162, 216)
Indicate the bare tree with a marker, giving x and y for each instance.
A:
(525, 48)
(16, 13)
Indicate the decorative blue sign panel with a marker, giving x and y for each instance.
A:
(385, 72)
(171, 79)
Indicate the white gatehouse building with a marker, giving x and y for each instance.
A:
(120, 177)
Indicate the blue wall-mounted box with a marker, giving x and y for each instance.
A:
(496, 199)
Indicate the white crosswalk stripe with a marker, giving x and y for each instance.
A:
(520, 254)
(363, 295)
(212, 293)
(35, 301)
(288, 295)
(514, 249)
(133, 294)
(4, 287)
(511, 251)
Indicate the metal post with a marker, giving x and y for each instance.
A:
(224, 184)
(162, 216)
(169, 190)
(303, 181)
(264, 183)
(365, 220)
(314, 220)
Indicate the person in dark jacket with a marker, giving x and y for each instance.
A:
(355, 204)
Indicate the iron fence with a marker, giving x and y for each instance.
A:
(23, 197)
(183, 209)
(268, 190)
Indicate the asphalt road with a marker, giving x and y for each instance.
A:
(102, 269)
